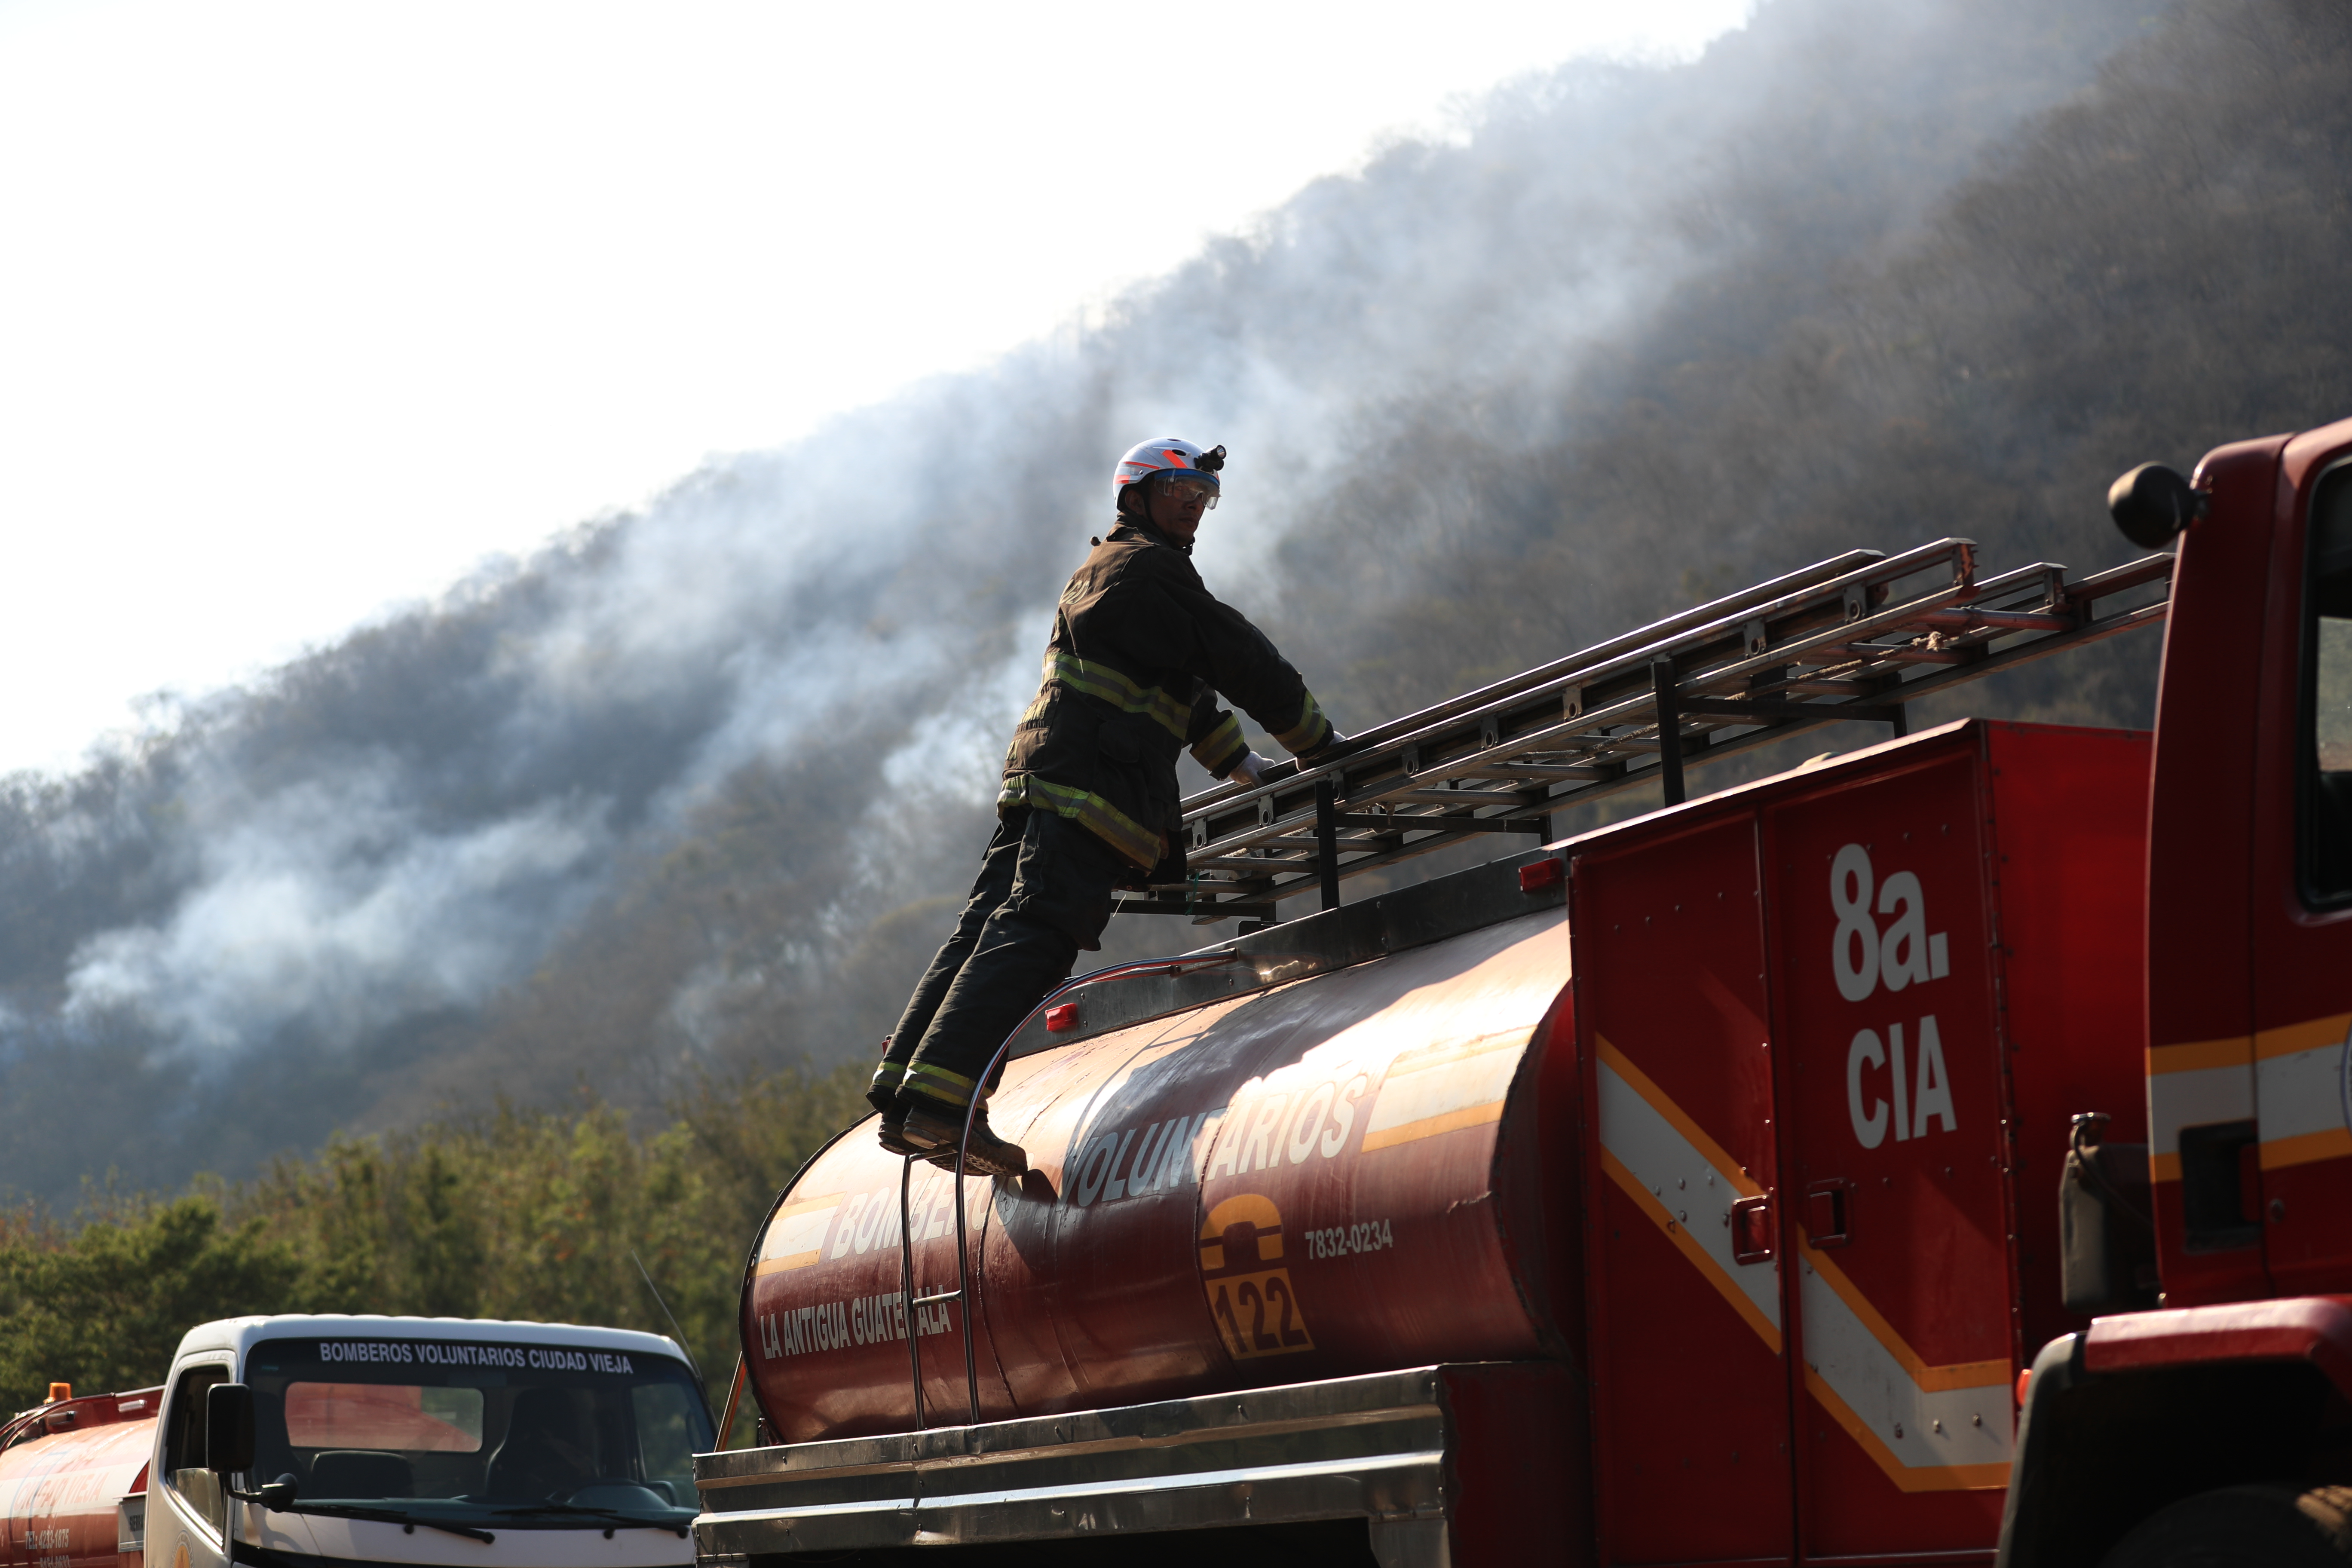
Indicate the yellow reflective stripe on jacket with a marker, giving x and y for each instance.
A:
(1311, 731)
(1089, 811)
(1221, 747)
(1101, 682)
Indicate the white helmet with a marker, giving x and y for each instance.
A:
(1151, 457)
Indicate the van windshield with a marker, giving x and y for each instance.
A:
(476, 1434)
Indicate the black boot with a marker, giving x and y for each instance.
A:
(882, 1094)
(892, 1133)
(937, 1130)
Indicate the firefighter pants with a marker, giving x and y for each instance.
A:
(1043, 893)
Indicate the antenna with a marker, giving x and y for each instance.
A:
(684, 1347)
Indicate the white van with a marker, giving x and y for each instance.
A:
(331, 1442)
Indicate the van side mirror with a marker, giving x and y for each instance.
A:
(228, 1427)
(2152, 504)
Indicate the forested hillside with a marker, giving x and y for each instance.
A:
(557, 1215)
(687, 799)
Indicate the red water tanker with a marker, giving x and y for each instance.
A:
(1299, 1180)
(73, 1478)
(1675, 1162)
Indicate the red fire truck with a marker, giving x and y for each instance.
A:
(1696, 1189)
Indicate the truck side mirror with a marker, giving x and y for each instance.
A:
(2152, 504)
(228, 1427)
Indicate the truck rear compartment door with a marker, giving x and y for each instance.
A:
(1691, 1384)
(1896, 1229)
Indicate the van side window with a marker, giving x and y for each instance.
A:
(2326, 762)
(184, 1444)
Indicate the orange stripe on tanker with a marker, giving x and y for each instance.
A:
(796, 1237)
(1443, 1088)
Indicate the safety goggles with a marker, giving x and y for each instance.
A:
(1189, 487)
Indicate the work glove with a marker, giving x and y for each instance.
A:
(1250, 770)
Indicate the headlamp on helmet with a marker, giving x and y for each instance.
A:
(1172, 457)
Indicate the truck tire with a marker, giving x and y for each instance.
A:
(2244, 1527)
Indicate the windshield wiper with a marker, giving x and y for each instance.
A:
(279, 1496)
(618, 1519)
(388, 1516)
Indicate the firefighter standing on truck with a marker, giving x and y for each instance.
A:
(1140, 651)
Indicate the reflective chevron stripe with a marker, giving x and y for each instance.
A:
(1857, 1366)
(1647, 1147)
(1931, 1428)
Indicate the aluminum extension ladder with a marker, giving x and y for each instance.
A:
(1853, 637)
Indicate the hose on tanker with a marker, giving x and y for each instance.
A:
(1163, 965)
(963, 1149)
(17, 1425)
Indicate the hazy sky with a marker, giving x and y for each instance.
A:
(307, 308)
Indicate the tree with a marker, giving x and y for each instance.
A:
(105, 1308)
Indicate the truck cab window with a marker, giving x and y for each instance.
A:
(184, 1444)
(2326, 769)
(669, 1426)
(531, 1437)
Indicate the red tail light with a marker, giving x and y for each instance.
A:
(1065, 1016)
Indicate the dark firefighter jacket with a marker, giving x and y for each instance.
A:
(1140, 650)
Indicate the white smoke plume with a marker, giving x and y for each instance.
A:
(406, 825)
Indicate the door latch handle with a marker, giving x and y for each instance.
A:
(1751, 1230)
(1829, 1213)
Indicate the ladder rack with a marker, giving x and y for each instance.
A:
(1853, 637)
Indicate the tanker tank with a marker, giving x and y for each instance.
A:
(73, 1478)
(1342, 1145)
